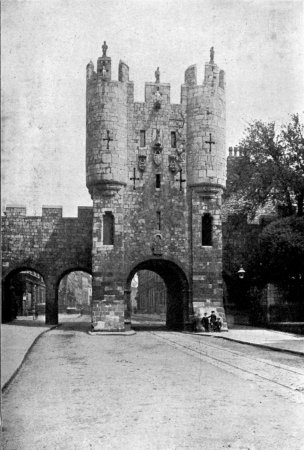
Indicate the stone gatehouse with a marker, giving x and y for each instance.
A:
(156, 173)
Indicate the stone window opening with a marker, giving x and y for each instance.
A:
(173, 139)
(142, 138)
(157, 181)
(158, 216)
(207, 223)
(108, 228)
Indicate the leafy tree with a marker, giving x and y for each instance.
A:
(282, 249)
(271, 168)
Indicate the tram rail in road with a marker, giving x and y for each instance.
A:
(280, 374)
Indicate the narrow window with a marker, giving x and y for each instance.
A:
(142, 138)
(157, 181)
(158, 220)
(108, 228)
(173, 139)
(207, 229)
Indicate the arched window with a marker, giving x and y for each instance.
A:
(108, 228)
(142, 138)
(207, 221)
(173, 139)
(157, 181)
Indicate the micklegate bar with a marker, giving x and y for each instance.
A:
(156, 172)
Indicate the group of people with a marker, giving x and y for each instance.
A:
(211, 323)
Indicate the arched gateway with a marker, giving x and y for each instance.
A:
(177, 285)
(156, 173)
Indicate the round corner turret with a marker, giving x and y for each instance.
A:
(206, 125)
(106, 137)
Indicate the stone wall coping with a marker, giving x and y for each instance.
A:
(21, 211)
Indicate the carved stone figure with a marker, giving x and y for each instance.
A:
(212, 55)
(157, 103)
(180, 149)
(104, 48)
(157, 245)
(157, 75)
(104, 72)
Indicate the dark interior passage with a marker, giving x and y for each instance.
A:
(23, 294)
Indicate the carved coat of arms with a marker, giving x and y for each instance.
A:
(142, 163)
(172, 164)
(157, 156)
(157, 149)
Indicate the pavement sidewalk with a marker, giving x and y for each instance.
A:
(18, 337)
(265, 338)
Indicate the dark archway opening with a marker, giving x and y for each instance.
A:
(167, 289)
(74, 296)
(23, 295)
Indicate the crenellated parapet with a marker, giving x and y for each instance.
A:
(48, 211)
(236, 152)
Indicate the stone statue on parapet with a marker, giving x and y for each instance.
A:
(157, 75)
(212, 55)
(104, 48)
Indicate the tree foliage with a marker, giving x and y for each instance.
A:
(282, 249)
(271, 168)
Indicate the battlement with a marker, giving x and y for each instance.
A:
(48, 211)
(155, 92)
(236, 152)
(12, 211)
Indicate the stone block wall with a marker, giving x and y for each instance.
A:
(157, 176)
(49, 244)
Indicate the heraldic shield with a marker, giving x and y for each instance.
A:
(157, 156)
(172, 164)
(142, 163)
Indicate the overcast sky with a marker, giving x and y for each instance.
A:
(46, 45)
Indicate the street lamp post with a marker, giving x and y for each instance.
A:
(241, 273)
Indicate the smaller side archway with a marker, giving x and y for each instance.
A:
(177, 286)
(74, 291)
(23, 293)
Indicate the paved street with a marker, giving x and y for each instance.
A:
(153, 390)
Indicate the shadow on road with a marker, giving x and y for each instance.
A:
(27, 322)
(149, 327)
(83, 325)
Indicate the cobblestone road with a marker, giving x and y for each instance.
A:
(153, 390)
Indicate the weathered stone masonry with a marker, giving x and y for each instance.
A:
(158, 168)
(155, 171)
(51, 245)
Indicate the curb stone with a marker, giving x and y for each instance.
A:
(12, 377)
(265, 346)
(112, 333)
